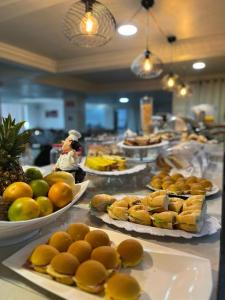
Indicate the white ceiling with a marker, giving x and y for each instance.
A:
(31, 34)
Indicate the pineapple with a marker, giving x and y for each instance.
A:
(12, 144)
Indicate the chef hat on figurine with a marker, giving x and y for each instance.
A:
(74, 135)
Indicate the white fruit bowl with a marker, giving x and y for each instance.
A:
(14, 231)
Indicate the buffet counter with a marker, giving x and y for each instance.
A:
(14, 287)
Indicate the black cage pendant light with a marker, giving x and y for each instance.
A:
(170, 80)
(88, 23)
(147, 65)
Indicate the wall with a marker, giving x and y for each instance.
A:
(162, 103)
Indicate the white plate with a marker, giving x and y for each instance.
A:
(162, 144)
(215, 190)
(131, 170)
(211, 225)
(9, 231)
(165, 273)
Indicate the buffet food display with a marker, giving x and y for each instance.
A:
(179, 185)
(88, 260)
(155, 209)
(82, 262)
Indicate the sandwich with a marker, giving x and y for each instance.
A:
(196, 202)
(131, 252)
(139, 214)
(175, 204)
(97, 238)
(62, 268)
(101, 202)
(191, 221)
(122, 286)
(41, 257)
(118, 213)
(166, 219)
(77, 231)
(156, 202)
(91, 276)
(108, 256)
(132, 200)
(81, 250)
(60, 240)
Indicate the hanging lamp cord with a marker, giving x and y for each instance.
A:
(157, 24)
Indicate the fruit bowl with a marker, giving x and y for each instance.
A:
(14, 231)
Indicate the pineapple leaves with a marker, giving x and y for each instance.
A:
(12, 141)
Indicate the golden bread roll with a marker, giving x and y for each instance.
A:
(175, 204)
(131, 252)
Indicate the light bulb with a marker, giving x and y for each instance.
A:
(183, 91)
(171, 82)
(147, 65)
(89, 24)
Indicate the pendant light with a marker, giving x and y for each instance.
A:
(88, 23)
(184, 90)
(170, 80)
(147, 65)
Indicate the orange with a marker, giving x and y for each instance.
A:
(46, 206)
(23, 209)
(17, 190)
(39, 187)
(60, 194)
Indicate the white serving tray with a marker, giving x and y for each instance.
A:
(159, 145)
(165, 273)
(211, 225)
(215, 190)
(132, 170)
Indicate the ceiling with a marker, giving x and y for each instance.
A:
(31, 35)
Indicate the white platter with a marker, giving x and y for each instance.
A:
(215, 190)
(131, 170)
(165, 273)
(211, 225)
(162, 144)
(10, 231)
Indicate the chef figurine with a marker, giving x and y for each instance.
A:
(70, 156)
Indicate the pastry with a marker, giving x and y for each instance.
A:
(97, 238)
(165, 219)
(156, 202)
(139, 214)
(108, 256)
(122, 286)
(118, 212)
(191, 221)
(63, 267)
(156, 183)
(194, 203)
(131, 252)
(60, 240)
(91, 276)
(175, 204)
(101, 202)
(81, 250)
(41, 257)
(132, 200)
(77, 231)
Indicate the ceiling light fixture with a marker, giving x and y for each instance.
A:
(88, 23)
(124, 100)
(170, 81)
(127, 29)
(147, 65)
(199, 65)
(183, 90)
